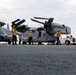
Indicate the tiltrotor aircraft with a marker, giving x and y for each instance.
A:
(5, 34)
(42, 34)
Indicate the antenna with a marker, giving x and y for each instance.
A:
(8, 26)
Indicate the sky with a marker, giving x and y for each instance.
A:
(63, 11)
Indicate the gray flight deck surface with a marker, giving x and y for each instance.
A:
(37, 60)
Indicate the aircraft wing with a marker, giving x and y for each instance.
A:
(2, 24)
(40, 29)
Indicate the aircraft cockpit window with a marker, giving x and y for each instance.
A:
(5, 31)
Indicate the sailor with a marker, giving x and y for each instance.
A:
(72, 38)
(58, 35)
(14, 37)
(30, 37)
(20, 38)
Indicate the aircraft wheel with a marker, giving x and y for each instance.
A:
(67, 42)
(2, 38)
(53, 41)
(9, 42)
(23, 42)
(39, 43)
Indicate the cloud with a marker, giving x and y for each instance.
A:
(63, 11)
(72, 2)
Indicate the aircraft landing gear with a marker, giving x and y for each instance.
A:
(9, 42)
(23, 42)
(39, 43)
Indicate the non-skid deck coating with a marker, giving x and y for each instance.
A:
(37, 60)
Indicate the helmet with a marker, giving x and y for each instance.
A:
(58, 30)
(31, 31)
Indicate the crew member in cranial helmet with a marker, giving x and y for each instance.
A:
(58, 35)
(14, 37)
(30, 37)
(20, 38)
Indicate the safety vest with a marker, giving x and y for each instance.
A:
(30, 35)
(58, 34)
(14, 31)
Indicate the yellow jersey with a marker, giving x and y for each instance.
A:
(30, 35)
(14, 31)
(58, 34)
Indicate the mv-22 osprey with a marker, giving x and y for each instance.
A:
(45, 33)
(5, 34)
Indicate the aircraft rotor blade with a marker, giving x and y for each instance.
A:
(2, 24)
(15, 21)
(41, 18)
(22, 21)
(22, 28)
(51, 20)
(37, 21)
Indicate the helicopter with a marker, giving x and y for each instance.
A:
(2, 24)
(5, 34)
(42, 34)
